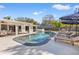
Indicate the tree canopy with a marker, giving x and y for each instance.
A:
(25, 19)
(7, 17)
(49, 20)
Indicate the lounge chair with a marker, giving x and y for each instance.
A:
(72, 38)
(3, 33)
(66, 32)
(23, 32)
(10, 32)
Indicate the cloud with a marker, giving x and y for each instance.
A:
(37, 12)
(2, 7)
(61, 7)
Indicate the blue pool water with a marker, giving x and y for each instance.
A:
(39, 38)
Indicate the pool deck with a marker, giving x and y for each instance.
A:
(10, 47)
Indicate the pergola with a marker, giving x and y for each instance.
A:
(71, 19)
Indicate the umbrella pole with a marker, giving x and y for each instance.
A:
(66, 27)
(70, 27)
(76, 29)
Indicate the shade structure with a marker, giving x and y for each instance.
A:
(71, 19)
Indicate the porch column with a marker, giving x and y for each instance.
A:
(30, 29)
(36, 28)
(16, 30)
(23, 28)
(8, 27)
(0, 27)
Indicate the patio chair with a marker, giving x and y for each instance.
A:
(65, 32)
(23, 32)
(72, 38)
(3, 33)
(10, 32)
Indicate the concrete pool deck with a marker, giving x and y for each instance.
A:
(10, 47)
(7, 43)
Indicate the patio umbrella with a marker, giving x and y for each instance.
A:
(71, 19)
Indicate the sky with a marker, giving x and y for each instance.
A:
(36, 10)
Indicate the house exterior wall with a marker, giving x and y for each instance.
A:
(17, 24)
(23, 29)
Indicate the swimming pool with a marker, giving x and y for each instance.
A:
(39, 38)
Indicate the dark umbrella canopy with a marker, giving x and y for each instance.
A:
(70, 22)
(70, 19)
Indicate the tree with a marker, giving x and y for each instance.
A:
(20, 19)
(7, 17)
(49, 20)
(46, 21)
(48, 17)
(25, 19)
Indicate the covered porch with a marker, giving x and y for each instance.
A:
(14, 27)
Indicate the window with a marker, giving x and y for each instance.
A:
(3, 27)
(34, 28)
(27, 28)
(19, 28)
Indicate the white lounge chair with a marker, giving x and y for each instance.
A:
(70, 38)
(3, 33)
(10, 32)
